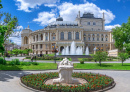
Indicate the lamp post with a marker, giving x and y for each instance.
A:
(54, 51)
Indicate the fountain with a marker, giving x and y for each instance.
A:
(87, 51)
(65, 73)
(74, 50)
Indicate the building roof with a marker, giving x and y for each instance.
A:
(89, 15)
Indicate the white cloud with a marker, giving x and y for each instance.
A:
(27, 5)
(69, 11)
(50, 5)
(109, 27)
(118, 0)
(45, 17)
(19, 27)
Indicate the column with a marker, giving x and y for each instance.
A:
(74, 35)
(44, 36)
(80, 35)
(35, 38)
(57, 35)
(39, 37)
(104, 37)
(48, 36)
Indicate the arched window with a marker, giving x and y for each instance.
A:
(77, 35)
(25, 40)
(62, 35)
(69, 36)
(34, 38)
(37, 37)
(94, 23)
(88, 23)
(41, 37)
(53, 36)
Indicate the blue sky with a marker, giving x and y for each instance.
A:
(38, 13)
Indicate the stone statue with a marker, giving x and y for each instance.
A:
(65, 73)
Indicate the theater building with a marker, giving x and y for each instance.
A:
(85, 31)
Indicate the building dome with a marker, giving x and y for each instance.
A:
(59, 18)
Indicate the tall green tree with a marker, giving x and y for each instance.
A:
(123, 57)
(1, 5)
(28, 51)
(15, 51)
(100, 56)
(122, 36)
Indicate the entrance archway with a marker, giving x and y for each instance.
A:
(61, 48)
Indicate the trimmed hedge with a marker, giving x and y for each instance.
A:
(95, 82)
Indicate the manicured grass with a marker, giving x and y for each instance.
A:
(94, 61)
(112, 66)
(41, 66)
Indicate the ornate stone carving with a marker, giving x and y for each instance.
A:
(65, 73)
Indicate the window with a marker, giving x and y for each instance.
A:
(102, 44)
(53, 38)
(98, 39)
(106, 44)
(94, 23)
(106, 39)
(40, 46)
(92, 28)
(93, 44)
(62, 35)
(46, 38)
(34, 38)
(93, 39)
(37, 37)
(97, 44)
(69, 36)
(102, 39)
(97, 34)
(33, 46)
(89, 38)
(93, 34)
(41, 37)
(88, 23)
(88, 34)
(102, 34)
(46, 46)
(89, 44)
(84, 38)
(77, 35)
(36, 46)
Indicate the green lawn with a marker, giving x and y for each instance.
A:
(44, 66)
(112, 66)
(41, 66)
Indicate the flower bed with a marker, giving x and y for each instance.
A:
(95, 82)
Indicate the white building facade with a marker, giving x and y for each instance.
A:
(85, 31)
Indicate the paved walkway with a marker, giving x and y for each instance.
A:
(26, 60)
(9, 80)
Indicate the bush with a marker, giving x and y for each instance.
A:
(35, 63)
(28, 57)
(4, 62)
(17, 62)
(81, 62)
(12, 62)
(1, 60)
(25, 63)
(90, 59)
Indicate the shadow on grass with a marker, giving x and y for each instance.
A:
(104, 65)
(8, 72)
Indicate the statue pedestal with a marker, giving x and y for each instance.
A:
(65, 74)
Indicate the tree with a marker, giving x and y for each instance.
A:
(2, 32)
(100, 56)
(1, 5)
(122, 36)
(28, 51)
(123, 57)
(15, 51)
(21, 52)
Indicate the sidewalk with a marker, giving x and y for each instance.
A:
(45, 61)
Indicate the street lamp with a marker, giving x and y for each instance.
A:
(54, 51)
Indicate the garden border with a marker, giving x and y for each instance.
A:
(101, 90)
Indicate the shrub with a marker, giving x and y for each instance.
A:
(28, 57)
(1, 60)
(35, 63)
(25, 63)
(17, 62)
(4, 62)
(81, 62)
(12, 62)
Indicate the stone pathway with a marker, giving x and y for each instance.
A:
(9, 80)
(27, 60)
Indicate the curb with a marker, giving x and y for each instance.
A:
(74, 69)
(102, 90)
